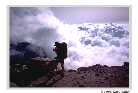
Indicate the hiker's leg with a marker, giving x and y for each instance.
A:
(62, 64)
(55, 63)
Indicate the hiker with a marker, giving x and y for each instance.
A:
(61, 52)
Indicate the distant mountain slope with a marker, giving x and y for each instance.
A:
(23, 51)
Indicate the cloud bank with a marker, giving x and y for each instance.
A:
(88, 43)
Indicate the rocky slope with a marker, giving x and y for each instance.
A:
(93, 76)
(96, 76)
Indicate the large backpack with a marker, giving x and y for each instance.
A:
(61, 50)
(64, 49)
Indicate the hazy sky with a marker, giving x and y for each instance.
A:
(77, 15)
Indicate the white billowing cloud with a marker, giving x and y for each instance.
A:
(88, 43)
(103, 48)
(35, 25)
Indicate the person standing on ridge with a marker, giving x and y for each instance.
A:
(61, 52)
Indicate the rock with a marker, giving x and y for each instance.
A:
(71, 70)
(96, 76)
(82, 69)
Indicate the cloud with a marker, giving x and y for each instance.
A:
(35, 25)
(86, 47)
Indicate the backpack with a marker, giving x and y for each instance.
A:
(64, 49)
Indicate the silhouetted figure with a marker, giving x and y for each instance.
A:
(61, 51)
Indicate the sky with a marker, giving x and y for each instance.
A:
(76, 15)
